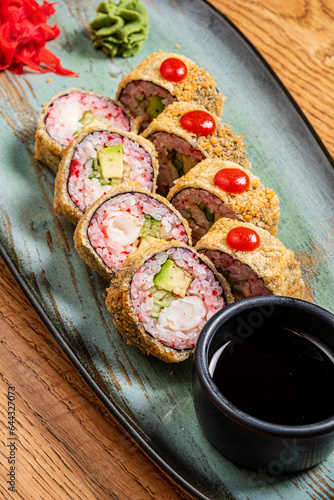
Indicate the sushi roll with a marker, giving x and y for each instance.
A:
(185, 134)
(215, 188)
(163, 296)
(67, 113)
(97, 160)
(163, 78)
(252, 261)
(125, 220)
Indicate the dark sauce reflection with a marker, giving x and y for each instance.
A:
(276, 375)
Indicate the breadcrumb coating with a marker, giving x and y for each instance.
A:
(198, 86)
(258, 205)
(223, 142)
(49, 151)
(271, 261)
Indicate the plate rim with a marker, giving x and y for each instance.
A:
(275, 77)
(116, 413)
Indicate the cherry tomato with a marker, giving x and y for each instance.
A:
(198, 122)
(173, 69)
(232, 180)
(243, 239)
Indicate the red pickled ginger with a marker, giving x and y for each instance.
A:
(23, 34)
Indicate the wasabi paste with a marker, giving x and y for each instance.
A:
(120, 28)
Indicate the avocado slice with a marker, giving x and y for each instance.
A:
(145, 241)
(111, 161)
(173, 278)
(155, 106)
(96, 123)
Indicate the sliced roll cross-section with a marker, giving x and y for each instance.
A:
(252, 261)
(67, 113)
(163, 78)
(97, 160)
(185, 134)
(162, 298)
(215, 188)
(126, 220)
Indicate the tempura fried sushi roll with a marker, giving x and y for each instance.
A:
(252, 261)
(215, 188)
(97, 160)
(163, 78)
(67, 113)
(162, 297)
(185, 134)
(127, 219)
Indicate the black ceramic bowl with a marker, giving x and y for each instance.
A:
(251, 442)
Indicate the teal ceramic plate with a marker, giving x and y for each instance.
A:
(151, 400)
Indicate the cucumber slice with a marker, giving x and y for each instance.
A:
(87, 118)
(178, 163)
(155, 106)
(95, 164)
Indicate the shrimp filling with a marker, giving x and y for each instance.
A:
(70, 113)
(129, 221)
(175, 308)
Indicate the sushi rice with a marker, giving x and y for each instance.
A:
(178, 325)
(62, 121)
(114, 230)
(137, 165)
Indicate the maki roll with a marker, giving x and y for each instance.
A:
(162, 297)
(163, 78)
(67, 113)
(215, 188)
(97, 160)
(185, 134)
(252, 261)
(125, 220)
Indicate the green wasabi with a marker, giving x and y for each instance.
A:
(120, 28)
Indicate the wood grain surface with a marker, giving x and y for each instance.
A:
(70, 447)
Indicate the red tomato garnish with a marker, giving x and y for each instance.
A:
(173, 69)
(232, 180)
(243, 239)
(198, 122)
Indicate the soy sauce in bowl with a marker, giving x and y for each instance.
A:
(263, 383)
(277, 375)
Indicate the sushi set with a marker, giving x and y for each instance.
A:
(149, 398)
(162, 292)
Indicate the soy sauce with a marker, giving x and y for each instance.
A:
(276, 375)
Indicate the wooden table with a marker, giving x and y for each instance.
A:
(75, 450)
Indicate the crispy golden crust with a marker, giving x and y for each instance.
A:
(63, 205)
(223, 142)
(119, 304)
(49, 151)
(271, 261)
(81, 239)
(258, 205)
(198, 86)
